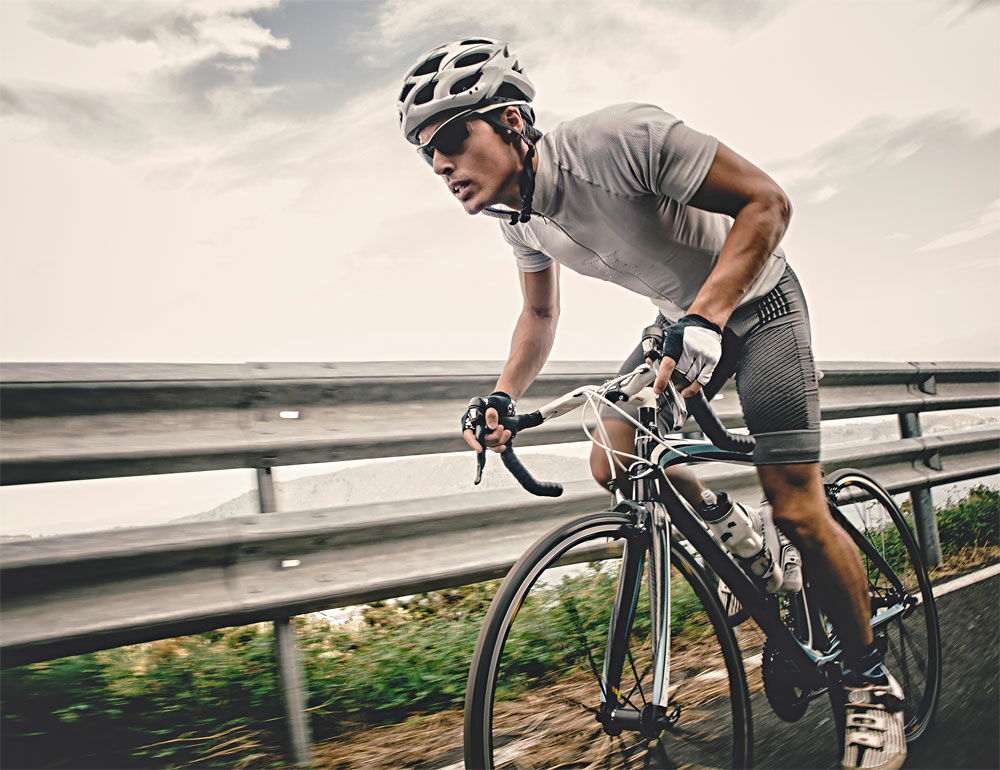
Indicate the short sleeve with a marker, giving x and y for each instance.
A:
(638, 149)
(529, 260)
(686, 156)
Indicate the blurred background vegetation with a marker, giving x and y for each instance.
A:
(213, 699)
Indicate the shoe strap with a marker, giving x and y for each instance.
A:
(868, 740)
(870, 721)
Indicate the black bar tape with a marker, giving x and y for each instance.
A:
(699, 408)
(525, 479)
(530, 420)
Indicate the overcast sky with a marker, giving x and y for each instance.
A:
(224, 180)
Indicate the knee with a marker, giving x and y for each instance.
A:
(797, 501)
(622, 439)
(600, 470)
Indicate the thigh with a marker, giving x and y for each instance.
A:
(777, 381)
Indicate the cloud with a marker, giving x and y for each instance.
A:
(210, 26)
(206, 160)
(872, 287)
(400, 21)
(183, 72)
(879, 144)
(76, 113)
(987, 223)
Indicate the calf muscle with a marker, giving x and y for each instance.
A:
(829, 556)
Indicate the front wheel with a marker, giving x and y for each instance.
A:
(911, 640)
(544, 675)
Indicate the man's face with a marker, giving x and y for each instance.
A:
(480, 171)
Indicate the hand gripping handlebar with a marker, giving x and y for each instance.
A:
(697, 405)
(652, 346)
(477, 414)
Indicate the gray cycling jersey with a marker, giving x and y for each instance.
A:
(611, 191)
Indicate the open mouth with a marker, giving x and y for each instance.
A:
(459, 189)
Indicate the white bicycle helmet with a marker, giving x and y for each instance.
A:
(459, 77)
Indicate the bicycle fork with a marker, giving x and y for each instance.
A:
(618, 712)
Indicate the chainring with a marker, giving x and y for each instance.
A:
(788, 699)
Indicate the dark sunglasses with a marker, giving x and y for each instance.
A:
(449, 139)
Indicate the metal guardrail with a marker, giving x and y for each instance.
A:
(63, 422)
(71, 594)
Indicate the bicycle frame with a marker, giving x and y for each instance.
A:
(658, 507)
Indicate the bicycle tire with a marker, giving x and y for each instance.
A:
(549, 721)
(911, 644)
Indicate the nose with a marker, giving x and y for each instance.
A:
(442, 165)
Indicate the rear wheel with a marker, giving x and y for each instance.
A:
(910, 642)
(539, 673)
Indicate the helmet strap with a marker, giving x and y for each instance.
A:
(526, 184)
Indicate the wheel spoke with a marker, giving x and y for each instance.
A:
(638, 679)
(548, 655)
(575, 618)
(894, 571)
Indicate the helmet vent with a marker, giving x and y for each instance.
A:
(472, 58)
(510, 92)
(406, 90)
(426, 93)
(476, 42)
(465, 83)
(430, 66)
(516, 67)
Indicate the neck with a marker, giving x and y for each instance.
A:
(512, 191)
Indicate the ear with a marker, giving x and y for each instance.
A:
(512, 116)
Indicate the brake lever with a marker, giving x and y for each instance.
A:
(481, 456)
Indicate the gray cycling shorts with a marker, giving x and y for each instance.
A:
(767, 345)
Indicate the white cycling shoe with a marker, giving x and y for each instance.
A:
(874, 731)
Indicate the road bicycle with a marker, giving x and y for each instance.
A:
(607, 646)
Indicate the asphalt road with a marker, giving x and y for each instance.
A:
(965, 732)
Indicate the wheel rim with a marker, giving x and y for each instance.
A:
(546, 685)
(910, 643)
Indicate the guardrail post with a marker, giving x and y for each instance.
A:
(291, 676)
(920, 497)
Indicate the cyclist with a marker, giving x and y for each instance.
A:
(632, 195)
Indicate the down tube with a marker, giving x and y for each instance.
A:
(749, 595)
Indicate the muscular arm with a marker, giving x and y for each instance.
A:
(760, 212)
(534, 332)
(529, 348)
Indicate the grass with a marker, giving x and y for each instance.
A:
(214, 699)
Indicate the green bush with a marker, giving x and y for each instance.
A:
(973, 521)
(145, 705)
(214, 698)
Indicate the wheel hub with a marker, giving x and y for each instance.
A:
(649, 721)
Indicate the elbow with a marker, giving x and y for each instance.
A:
(544, 314)
(781, 207)
(772, 208)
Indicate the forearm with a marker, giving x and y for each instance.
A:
(529, 349)
(756, 231)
